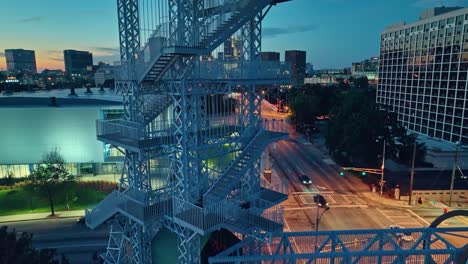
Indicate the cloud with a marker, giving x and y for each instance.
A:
(54, 55)
(105, 54)
(106, 50)
(434, 3)
(270, 32)
(31, 19)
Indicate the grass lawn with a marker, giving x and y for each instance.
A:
(18, 201)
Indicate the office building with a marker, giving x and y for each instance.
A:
(21, 61)
(423, 74)
(232, 48)
(297, 60)
(77, 62)
(368, 65)
(270, 56)
(367, 68)
(103, 73)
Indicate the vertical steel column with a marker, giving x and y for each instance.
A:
(129, 29)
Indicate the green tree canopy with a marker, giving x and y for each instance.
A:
(51, 177)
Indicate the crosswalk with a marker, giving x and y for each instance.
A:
(333, 199)
(401, 218)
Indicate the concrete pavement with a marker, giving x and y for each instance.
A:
(41, 216)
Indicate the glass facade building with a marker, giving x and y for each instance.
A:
(21, 61)
(423, 74)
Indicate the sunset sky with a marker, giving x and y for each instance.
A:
(333, 32)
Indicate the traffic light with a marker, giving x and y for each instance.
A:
(363, 173)
(341, 173)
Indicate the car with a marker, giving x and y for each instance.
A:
(405, 236)
(320, 201)
(305, 180)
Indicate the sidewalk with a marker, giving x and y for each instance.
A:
(385, 200)
(41, 216)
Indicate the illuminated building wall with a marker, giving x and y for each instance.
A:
(423, 74)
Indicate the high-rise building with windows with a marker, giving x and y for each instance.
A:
(21, 61)
(270, 56)
(297, 60)
(423, 74)
(77, 62)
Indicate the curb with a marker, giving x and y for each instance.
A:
(42, 218)
(382, 201)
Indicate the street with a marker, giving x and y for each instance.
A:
(349, 208)
(75, 240)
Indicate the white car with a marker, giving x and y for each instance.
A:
(405, 236)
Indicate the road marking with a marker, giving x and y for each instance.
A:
(462, 219)
(420, 218)
(349, 206)
(301, 193)
(299, 169)
(300, 208)
(294, 240)
(346, 199)
(303, 200)
(320, 187)
(331, 199)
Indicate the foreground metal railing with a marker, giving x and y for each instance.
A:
(411, 245)
(242, 70)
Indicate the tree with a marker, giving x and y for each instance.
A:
(51, 177)
(17, 248)
(358, 127)
(361, 82)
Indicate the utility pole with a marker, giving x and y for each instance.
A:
(412, 174)
(455, 164)
(383, 169)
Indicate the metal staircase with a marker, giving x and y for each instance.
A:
(154, 105)
(231, 177)
(163, 54)
(103, 210)
(245, 9)
(205, 126)
(229, 215)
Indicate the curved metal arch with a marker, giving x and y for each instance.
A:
(448, 215)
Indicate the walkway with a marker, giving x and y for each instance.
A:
(40, 216)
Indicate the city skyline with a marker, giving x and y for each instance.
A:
(49, 28)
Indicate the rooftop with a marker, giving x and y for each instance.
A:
(43, 98)
(439, 145)
(428, 16)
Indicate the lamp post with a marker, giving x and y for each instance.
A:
(412, 174)
(317, 220)
(383, 169)
(455, 163)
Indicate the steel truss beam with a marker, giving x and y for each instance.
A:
(428, 245)
(129, 29)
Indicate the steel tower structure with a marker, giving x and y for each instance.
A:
(178, 107)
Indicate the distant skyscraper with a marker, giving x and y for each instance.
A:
(297, 60)
(423, 74)
(232, 49)
(270, 56)
(20, 60)
(77, 62)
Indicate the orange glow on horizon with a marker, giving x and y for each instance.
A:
(40, 64)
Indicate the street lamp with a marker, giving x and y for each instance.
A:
(455, 162)
(324, 204)
(383, 167)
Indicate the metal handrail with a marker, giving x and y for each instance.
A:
(230, 166)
